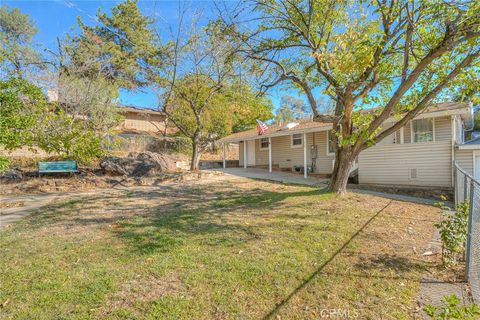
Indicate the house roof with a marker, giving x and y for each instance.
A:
(309, 125)
(133, 109)
(473, 144)
(304, 125)
(475, 141)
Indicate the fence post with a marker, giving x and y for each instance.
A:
(465, 187)
(455, 191)
(468, 250)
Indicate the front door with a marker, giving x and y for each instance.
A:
(251, 153)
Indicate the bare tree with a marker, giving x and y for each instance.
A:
(197, 88)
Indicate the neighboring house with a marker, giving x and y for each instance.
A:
(136, 120)
(420, 154)
(142, 120)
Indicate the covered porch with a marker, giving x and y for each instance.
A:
(304, 149)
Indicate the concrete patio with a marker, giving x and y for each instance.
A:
(280, 176)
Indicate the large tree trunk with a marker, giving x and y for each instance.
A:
(196, 153)
(343, 164)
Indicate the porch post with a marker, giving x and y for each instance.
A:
(401, 136)
(245, 154)
(305, 169)
(224, 161)
(270, 155)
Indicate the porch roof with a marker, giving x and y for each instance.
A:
(309, 125)
(275, 130)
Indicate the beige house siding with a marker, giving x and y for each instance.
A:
(443, 129)
(406, 134)
(464, 159)
(389, 162)
(393, 164)
(143, 122)
(324, 160)
(286, 156)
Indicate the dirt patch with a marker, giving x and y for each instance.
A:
(88, 180)
(13, 204)
(144, 289)
(427, 193)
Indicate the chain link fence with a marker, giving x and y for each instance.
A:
(468, 189)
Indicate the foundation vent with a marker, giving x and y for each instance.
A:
(413, 173)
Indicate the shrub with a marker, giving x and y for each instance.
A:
(451, 309)
(4, 164)
(453, 233)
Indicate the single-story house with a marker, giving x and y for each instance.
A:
(421, 153)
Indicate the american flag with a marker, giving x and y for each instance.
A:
(261, 127)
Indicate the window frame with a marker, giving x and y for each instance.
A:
(328, 144)
(296, 145)
(412, 133)
(260, 143)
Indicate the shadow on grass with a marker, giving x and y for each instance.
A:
(169, 226)
(320, 269)
(389, 262)
(185, 211)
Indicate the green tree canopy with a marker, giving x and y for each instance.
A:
(123, 43)
(396, 56)
(26, 119)
(16, 47)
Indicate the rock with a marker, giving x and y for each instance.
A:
(12, 174)
(184, 165)
(117, 166)
(145, 164)
(154, 163)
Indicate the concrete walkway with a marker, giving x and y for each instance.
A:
(286, 177)
(280, 176)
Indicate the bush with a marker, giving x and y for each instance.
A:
(451, 309)
(4, 164)
(27, 119)
(453, 233)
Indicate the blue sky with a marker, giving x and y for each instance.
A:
(56, 18)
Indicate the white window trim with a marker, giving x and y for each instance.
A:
(260, 144)
(298, 145)
(412, 136)
(328, 145)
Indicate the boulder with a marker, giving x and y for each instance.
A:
(12, 174)
(117, 166)
(144, 164)
(158, 161)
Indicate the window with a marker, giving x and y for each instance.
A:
(422, 130)
(330, 150)
(263, 143)
(297, 140)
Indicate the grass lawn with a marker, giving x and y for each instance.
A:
(238, 249)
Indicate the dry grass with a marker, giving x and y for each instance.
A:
(221, 250)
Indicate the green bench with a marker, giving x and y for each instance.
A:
(57, 166)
